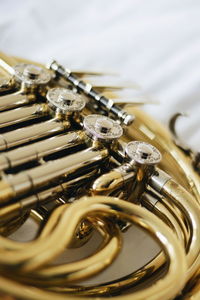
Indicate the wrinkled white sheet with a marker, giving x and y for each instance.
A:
(155, 43)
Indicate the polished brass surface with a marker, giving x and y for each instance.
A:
(77, 164)
(165, 288)
(40, 149)
(21, 115)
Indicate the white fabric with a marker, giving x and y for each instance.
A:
(155, 43)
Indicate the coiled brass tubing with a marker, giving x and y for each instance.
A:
(165, 288)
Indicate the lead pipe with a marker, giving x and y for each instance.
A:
(22, 114)
(14, 100)
(31, 133)
(38, 150)
(18, 209)
(32, 179)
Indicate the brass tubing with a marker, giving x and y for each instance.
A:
(33, 202)
(190, 209)
(115, 179)
(50, 171)
(40, 149)
(50, 229)
(7, 63)
(180, 220)
(175, 216)
(11, 211)
(73, 271)
(4, 74)
(14, 100)
(21, 114)
(169, 214)
(31, 133)
(173, 206)
(6, 83)
(106, 252)
(116, 287)
(12, 226)
(193, 293)
(174, 191)
(165, 288)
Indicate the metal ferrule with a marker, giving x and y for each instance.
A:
(39, 150)
(60, 169)
(22, 114)
(158, 180)
(15, 100)
(31, 133)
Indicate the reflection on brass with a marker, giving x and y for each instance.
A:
(75, 163)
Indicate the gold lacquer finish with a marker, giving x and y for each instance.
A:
(78, 164)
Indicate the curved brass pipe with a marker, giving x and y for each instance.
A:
(185, 202)
(166, 211)
(165, 288)
(193, 293)
(128, 281)
(82, 269)
(105, 254)
(177, 208)
(169, 214)
(12, 225)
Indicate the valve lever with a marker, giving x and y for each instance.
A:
(88, 89)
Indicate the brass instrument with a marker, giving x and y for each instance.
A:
(76, 163)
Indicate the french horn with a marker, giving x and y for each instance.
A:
(77, 163)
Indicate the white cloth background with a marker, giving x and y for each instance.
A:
(155, 43)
